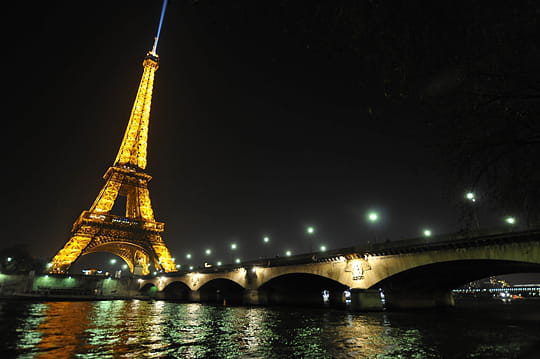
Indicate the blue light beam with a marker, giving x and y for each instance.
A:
(156, 39)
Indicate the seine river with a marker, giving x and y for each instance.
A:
(160, 329)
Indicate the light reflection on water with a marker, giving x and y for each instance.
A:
(158, 329)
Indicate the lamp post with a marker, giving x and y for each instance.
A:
(511, 221)
(207, 252)
(233, 248)
(373, 218)
(471, 197)
(310, 230)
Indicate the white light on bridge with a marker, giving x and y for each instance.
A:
(113, 261)
(510, 220)
(237, 260)
(310, 230)
(208, 252)
(124, 266)
(427, 233)
(218, 263)
(323, 248)
(266, 239)
(373, 216)
(470, 196)
(188, 256)
(233, 246)
(288, 253)
(178, 266)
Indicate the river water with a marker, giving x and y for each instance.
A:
(160, 329)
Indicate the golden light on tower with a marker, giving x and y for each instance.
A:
(130, 232)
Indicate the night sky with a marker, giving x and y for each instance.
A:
(267, 117)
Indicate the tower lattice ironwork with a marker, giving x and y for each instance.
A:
(121, 219)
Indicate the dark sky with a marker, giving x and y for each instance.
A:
(268, 116)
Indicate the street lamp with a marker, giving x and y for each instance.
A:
(188, 256)
(113, 261)
(233, 248)
(323, 248)
(288, 253)
(471, 197)
(208, 251)
(427, 233)
(373, 217)
(266, 239)
(237, 261)
(310, 230)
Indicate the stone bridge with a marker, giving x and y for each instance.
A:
(415, 273)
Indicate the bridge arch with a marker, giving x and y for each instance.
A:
(430, 284)
(334, 271)
(148, 290)
(177, 291)
(221, 291)
(198, 280)
(449, 275)
(303, 289)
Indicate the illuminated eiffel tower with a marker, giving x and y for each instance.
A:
(133, 235)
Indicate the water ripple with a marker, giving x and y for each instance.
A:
(158, 329)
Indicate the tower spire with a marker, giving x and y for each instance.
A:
(156, 39)
(133, 150)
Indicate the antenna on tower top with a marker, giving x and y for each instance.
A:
(156, 39)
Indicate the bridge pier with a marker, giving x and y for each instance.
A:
(366, 300)
(255, 297)
(194, 296)
(418, 300)
(337, 299)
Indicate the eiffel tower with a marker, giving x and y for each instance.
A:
(121, 219)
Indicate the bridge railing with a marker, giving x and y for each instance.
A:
(459, 239)
(455, 240)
